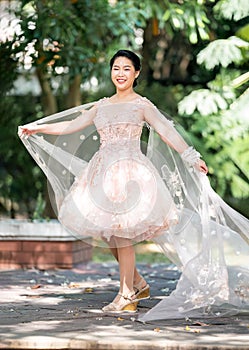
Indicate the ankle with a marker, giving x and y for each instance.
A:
(128, 294)
(141, 283)
(137, 279)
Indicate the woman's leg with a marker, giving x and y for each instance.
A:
(125, 255)
(126, 260)
(128, 284)
(137, 276)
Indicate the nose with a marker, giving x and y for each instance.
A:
(120, 73)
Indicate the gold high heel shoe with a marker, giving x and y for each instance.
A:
(125, 304)
(142, 292)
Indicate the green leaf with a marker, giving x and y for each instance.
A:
(233, 9)
(166, 15)
(222, 52)
(193, 38)
(239, 187)
(204, 101)
(243, 33)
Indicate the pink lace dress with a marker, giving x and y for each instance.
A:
(120, 193)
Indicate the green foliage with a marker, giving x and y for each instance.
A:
(62, 39)
(243, 33)
(222, 139)
(204, 101)
(220, 119)
(39, 208)
(144, 254)
(71, 34)
(16, 165)
(233, 9)
(219, 113)
(7, 64)
(189, 16)
(223, 52)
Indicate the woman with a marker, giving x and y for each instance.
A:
(119, 195)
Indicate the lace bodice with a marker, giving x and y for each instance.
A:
(119, 124)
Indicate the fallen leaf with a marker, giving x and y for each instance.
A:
(74, 285)
(88, 290)
(120, 319)
(187, 328)
(157, 330)
(35, 286)
(198, 323)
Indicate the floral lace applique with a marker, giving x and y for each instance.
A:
(242, 291)
(190, 156)
(174, 183)
(213, 282)
(145, 101)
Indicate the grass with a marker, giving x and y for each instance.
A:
(147, 253)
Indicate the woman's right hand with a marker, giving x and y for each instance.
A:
(25, 131)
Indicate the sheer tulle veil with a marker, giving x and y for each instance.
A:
(209, 245)
(210, 241)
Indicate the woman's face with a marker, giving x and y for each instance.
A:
(123, 73)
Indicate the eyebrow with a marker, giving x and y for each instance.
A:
(127, 65)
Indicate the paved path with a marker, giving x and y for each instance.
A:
(61, 310)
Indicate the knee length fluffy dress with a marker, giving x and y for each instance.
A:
(117, 179)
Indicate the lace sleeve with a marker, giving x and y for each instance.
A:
(166, 129)
(190, 156)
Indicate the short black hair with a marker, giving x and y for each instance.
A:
(131, 56)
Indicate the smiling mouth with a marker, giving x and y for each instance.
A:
(121, 81)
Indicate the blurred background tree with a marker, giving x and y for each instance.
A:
(219, 111)
(194, 55)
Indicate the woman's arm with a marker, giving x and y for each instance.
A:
(166, 130)
(60, 128)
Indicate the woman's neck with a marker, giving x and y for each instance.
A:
(124, 95)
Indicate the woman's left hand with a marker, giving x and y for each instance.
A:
(201, 166)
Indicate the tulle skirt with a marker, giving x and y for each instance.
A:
(119, 194)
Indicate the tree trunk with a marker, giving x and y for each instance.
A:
(74, 95)
(49, 105)
(149, 41)
(49, 102)
(166, 58)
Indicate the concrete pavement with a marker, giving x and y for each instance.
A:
(61, 309)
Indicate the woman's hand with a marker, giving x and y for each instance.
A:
(201, 166)
(26, 130)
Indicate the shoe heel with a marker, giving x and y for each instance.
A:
(144, 294)
(130, 307)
